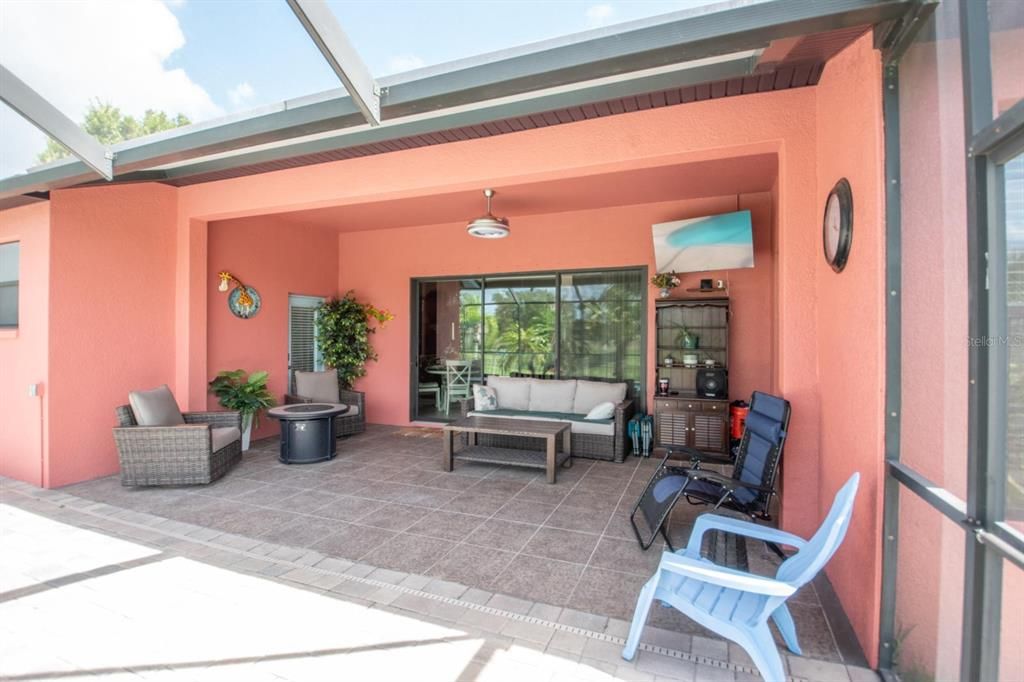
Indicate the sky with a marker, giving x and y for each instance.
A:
(210, 58)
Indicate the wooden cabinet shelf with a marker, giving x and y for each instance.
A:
(701, 423)
(687, 419)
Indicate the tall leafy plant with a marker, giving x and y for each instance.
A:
(343, 329)
(248, 395)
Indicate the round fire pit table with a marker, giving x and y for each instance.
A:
(307, 431)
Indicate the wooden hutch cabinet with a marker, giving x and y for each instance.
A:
(683, 417)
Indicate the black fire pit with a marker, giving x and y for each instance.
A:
(307, 431)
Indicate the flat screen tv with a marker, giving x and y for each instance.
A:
(717, 242)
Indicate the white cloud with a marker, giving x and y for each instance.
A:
(400, 63)
(599, 15)
(241, 94)
(78, 60)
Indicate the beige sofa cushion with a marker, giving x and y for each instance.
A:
(317, 386)
(513, 393)
(591, 393)
(550, 395)
(155, 408)
(222, 436)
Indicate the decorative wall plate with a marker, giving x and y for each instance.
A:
(244, 302)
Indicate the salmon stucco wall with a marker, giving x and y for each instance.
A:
(277, 260)
(780, 123)
(615, 237)
(111, 321)
(850, 323)
(23, 358)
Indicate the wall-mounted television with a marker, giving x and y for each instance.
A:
(717, 242)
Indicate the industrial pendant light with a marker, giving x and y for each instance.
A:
(488, 226)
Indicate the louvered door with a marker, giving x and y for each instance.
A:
(672, 428)
(709, 433)
(302, 351)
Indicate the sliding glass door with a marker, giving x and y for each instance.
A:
(580, 324)
(602, 324)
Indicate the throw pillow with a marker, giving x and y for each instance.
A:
(321, 387)
(485, 398)
(602, 411)
(155, 408)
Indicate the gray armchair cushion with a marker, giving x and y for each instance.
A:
(155, 408)
(317, 386)
(222, 436)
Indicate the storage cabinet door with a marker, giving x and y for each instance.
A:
(710, 433)
(672, 428)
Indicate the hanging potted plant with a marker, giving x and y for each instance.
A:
(666, 281)
(343, 329)
(247, 395)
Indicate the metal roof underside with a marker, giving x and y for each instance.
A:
(668, 61)
(813, 53)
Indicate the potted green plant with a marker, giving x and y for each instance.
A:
(343, 329)
(687, 339)
(666, 281)
(245, 394)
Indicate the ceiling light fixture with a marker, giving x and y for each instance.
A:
(488, 226)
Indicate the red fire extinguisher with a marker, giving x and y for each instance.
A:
(737, 417)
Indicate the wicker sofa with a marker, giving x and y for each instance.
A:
(560, 400)
(322, 387)
(199, 451)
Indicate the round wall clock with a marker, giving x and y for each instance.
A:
(837, 225)
(244, 302)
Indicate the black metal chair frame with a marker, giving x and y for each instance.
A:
(756, 510)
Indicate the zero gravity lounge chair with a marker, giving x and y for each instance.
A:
(748, 490)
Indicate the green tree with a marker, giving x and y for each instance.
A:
(109, 125)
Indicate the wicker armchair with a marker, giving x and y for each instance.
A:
(175, 455)
(346, 424)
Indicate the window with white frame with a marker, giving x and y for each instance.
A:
(9, 276)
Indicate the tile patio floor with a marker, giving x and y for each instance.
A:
(386, 505)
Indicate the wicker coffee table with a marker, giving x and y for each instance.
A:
(549, 459)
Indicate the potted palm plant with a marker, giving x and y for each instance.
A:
(247, 395)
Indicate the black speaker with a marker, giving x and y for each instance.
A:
(712, 383)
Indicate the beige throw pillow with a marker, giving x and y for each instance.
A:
(156, 407)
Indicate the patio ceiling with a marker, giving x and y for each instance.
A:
(715, 178)
(729, 49)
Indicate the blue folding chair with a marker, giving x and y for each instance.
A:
(736, 604)
(749, 490)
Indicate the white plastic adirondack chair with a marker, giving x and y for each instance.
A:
(735, 604)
